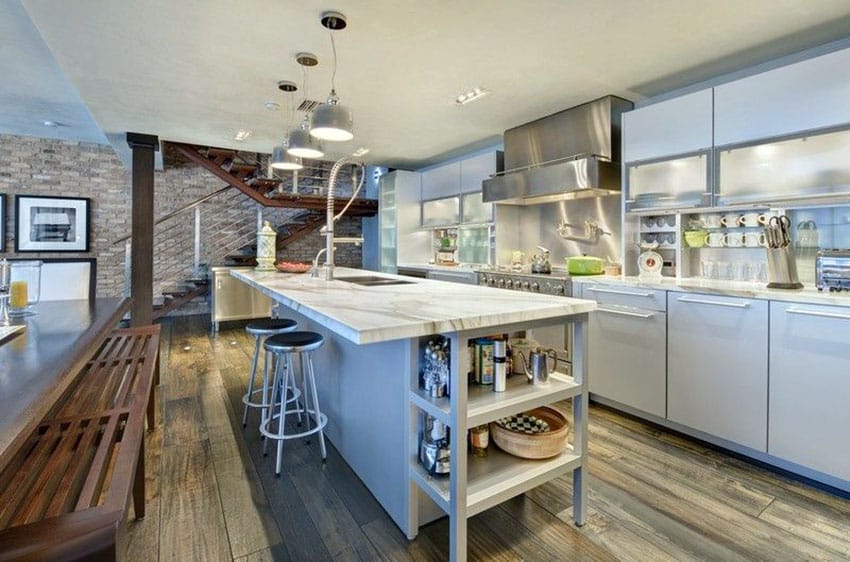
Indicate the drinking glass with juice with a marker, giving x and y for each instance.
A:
(18, 295)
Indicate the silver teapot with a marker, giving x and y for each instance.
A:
(538, 359)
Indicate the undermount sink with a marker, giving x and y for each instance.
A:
(373, 281)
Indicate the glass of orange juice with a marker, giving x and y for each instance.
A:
(18, 295)
(25, 288)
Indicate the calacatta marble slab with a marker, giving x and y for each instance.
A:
(364, 314)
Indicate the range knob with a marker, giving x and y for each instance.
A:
(535, 287)
(509, 284)
(501, 282)
(559, 289)
(491, 281)
(525, 285)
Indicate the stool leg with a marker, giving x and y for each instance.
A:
(305, 393)
(297, 400)
(281, 428)
(269, 409)
(316, 410)
(251, 380)
(268, 364)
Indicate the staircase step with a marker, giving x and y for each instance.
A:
(242, 170)
(177, 291)
(198, 281)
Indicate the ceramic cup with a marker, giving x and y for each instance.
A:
(710, 221)
(715, 239)
(734, 240)
(731, 221)
(754, 239)
(753, 219)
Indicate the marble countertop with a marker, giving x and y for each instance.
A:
(808, 294)
(372, 314)
(465, 268)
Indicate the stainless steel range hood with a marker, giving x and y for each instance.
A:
(571, 154)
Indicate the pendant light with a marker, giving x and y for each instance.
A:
(333, 121)
(301, 144)
(281, 159)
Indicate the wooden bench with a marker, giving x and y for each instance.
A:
(65, 495)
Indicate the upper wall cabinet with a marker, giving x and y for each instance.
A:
(442, 181)
(678, 126)
(477, 169)
(807, 95)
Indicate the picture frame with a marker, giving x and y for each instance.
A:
(45, 223)
(2, 222)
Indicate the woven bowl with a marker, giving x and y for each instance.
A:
(538, 445)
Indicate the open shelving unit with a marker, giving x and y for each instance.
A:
(479, 483)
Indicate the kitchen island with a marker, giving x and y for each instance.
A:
(367, 373)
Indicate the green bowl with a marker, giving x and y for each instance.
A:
(585, 265)
(695, 238)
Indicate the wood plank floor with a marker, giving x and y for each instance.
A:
(654, 495)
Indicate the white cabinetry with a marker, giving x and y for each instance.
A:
(677, 126)
(442, 181)
(399, 215)
(627, 347)
(476, 169)
(810, 386)
(806, 95)
(717, 366)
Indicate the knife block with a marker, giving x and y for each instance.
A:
(782, 269)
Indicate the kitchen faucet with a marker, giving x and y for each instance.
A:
(592, 231)
(328, 271)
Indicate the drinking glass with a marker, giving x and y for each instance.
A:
(5, 281)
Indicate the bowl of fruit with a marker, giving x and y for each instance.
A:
(292, 267)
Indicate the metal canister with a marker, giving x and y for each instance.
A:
(500, 365)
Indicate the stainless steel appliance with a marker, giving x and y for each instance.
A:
(832, 270)
(558, 337)
(234, 300)
(573, 153)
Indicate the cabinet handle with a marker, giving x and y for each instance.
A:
(613, 292)
(218, 283)
(817, 313)
(715, 303)
(625, 313)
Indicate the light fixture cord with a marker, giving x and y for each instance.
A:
(333, 74)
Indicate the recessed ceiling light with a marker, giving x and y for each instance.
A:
(470, 96)
(49, 123)
(272, 105)
(362, 151)
(242, 134)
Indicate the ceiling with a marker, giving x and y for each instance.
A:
(200, 70)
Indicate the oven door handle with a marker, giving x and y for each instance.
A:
(613, 292)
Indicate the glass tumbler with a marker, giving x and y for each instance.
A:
(25, 288)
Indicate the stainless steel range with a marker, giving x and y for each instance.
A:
(557, 337)
(547, 284)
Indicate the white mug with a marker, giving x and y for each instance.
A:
(731, 220)
(733, 240)
(754, 239)
(715, 239)
(710, 221)
(753, 219)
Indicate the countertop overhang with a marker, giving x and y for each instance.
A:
(422, 307)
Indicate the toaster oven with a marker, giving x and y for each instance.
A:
(832, 270)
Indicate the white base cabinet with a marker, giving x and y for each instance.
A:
(717, 366)
(810, 386)
(627, 347)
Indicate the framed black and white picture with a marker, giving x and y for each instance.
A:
(2, 222)
(51, 224)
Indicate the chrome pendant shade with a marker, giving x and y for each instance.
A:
(332, 121)
(302, 144)
(282, 160)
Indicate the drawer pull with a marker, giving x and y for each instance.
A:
(613, 292)
(625, 313)
(817, 313)
(715, 303)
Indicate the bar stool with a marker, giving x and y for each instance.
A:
(261, 329)
(284, 347)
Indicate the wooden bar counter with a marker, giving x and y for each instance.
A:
(37, 366)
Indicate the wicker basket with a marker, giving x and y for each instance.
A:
(538, 445)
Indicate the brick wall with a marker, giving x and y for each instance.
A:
(33, 166)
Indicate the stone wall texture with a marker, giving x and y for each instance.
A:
(34, 166)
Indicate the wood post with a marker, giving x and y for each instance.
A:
(141, 273)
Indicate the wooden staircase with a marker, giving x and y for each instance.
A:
(297, 228)
(244, 174)
(174, 297)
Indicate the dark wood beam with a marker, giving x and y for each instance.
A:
(141, 257)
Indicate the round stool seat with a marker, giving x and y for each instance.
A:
(292, 342)
(270, 326)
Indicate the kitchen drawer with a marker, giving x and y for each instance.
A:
(810, 386)
(623, 295)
